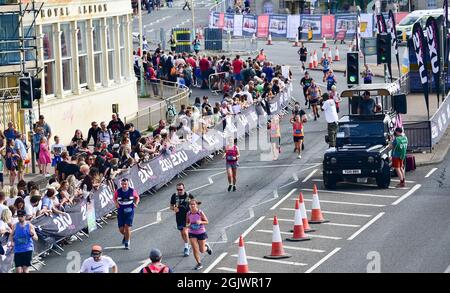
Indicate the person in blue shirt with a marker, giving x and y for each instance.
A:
(326, 66)
(331, 79)
(268, 71)
(367, 105)
(21, 238)
(10, 133)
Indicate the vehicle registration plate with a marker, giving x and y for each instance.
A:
(351, 172)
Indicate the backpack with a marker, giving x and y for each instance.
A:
(173, 71)
(147, 269)
(171, 113)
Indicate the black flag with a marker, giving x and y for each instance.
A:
(419, 47)
(393, 32)
(381, 24)
(433, 41)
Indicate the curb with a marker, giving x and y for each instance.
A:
(441, 151)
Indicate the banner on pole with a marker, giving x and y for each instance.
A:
(238, 23)
(328, 23)
(366, 25)
(419, 48)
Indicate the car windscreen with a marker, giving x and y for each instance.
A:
(409, 20)
(360, 130)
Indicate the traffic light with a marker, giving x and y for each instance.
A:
(383, 48)
(26, 93)
(36, 88)
(352, 68)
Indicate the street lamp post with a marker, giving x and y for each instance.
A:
(193, 19)
(141, 46)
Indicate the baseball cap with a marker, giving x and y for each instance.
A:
(155, 255)
(97, 248)
(21, 213)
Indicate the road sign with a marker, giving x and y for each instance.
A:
(369, 46)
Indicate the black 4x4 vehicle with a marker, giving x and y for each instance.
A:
(362, 141)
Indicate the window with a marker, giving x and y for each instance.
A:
(49, 59)
(9, 48)
(432, 4)
(97, 38)
(66, 56)
(111, 49)
(82, 53)
(122, 34)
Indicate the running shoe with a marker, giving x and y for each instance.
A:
(198, 267)
(208, 248)
(127, 245)
(234, 187)
(123, 241)
(299, 156)
(186, 252)
(229, 187)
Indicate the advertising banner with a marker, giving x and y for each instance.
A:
(91, 220)
(328, 26)
(228, 25)
(346, 22)
(216, 20)
(434, 49)
(238, 21)
(263, 26)
(314, 22)
(367, 25)
(250, 25)
(420, 50)
(278, 25)
(293, 22)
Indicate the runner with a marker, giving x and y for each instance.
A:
(21, 237)
(305, 82)
(297, 131)
(98, 263)
(156, 267)
(326, 66)
(314, 93)
(331, 80)
(335, 96)
(275, 136)
(179, 203)
(196, 221)
(232, 156)
(303, 53)
(126, 200)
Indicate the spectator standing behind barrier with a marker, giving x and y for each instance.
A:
(156, 267)
(21, 238)
(179, 203)
(367, 74)
(98, 263)
(399, 145)
(126, 200)
(196, 44)
(196, 221)
(331, 116)
(47, 130)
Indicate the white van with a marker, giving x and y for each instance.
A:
(421, 16)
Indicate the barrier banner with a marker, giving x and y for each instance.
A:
(92, 224)
(278, 25)
(103, 201)
(238, 21)
(263, 26)
(346, 22)
(367, 28)
(314, 22)
(293, 22)
(250, 25)
(216, 20)
(228, 22)
(328, 26)
(440, 121)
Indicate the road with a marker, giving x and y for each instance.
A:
(406, 229)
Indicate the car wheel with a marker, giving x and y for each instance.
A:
(329, 182)
(384, 179)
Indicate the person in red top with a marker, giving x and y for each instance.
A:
(237, 67)
(204, 68)
(191, 61)
(126, 200)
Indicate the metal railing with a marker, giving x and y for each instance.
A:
(419, 135)
(171, 94)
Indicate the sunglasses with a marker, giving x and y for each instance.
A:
(180, 189)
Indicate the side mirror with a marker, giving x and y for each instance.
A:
(327, 139)
(400, 104)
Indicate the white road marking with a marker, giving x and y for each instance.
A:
(310, 235)
(349, 203)
(144, 263)
(330, 224)
(158, 220)
(310, 175)
(406, 195)
(283, 199)
(215, 262)
(365, 184)
(365, 226)
(113, 247)
(208, 184)
(313, 165)
(233, 270)
(334, 213)
(407, 181)
(274, 260)
(250, 228)
(286, 247)
(310, 270)
(431, 172)
(354, 193)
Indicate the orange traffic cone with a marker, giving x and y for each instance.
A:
(324, 43)
(296, 43)
(242, 265)
(299, 232)
(269, 39)
(337, 57)
(277, 244)
(323, 56)
(315, 62)
(306, 226)
(311, 61)
(316, 213)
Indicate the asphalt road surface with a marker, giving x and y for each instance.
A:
(370, 229)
